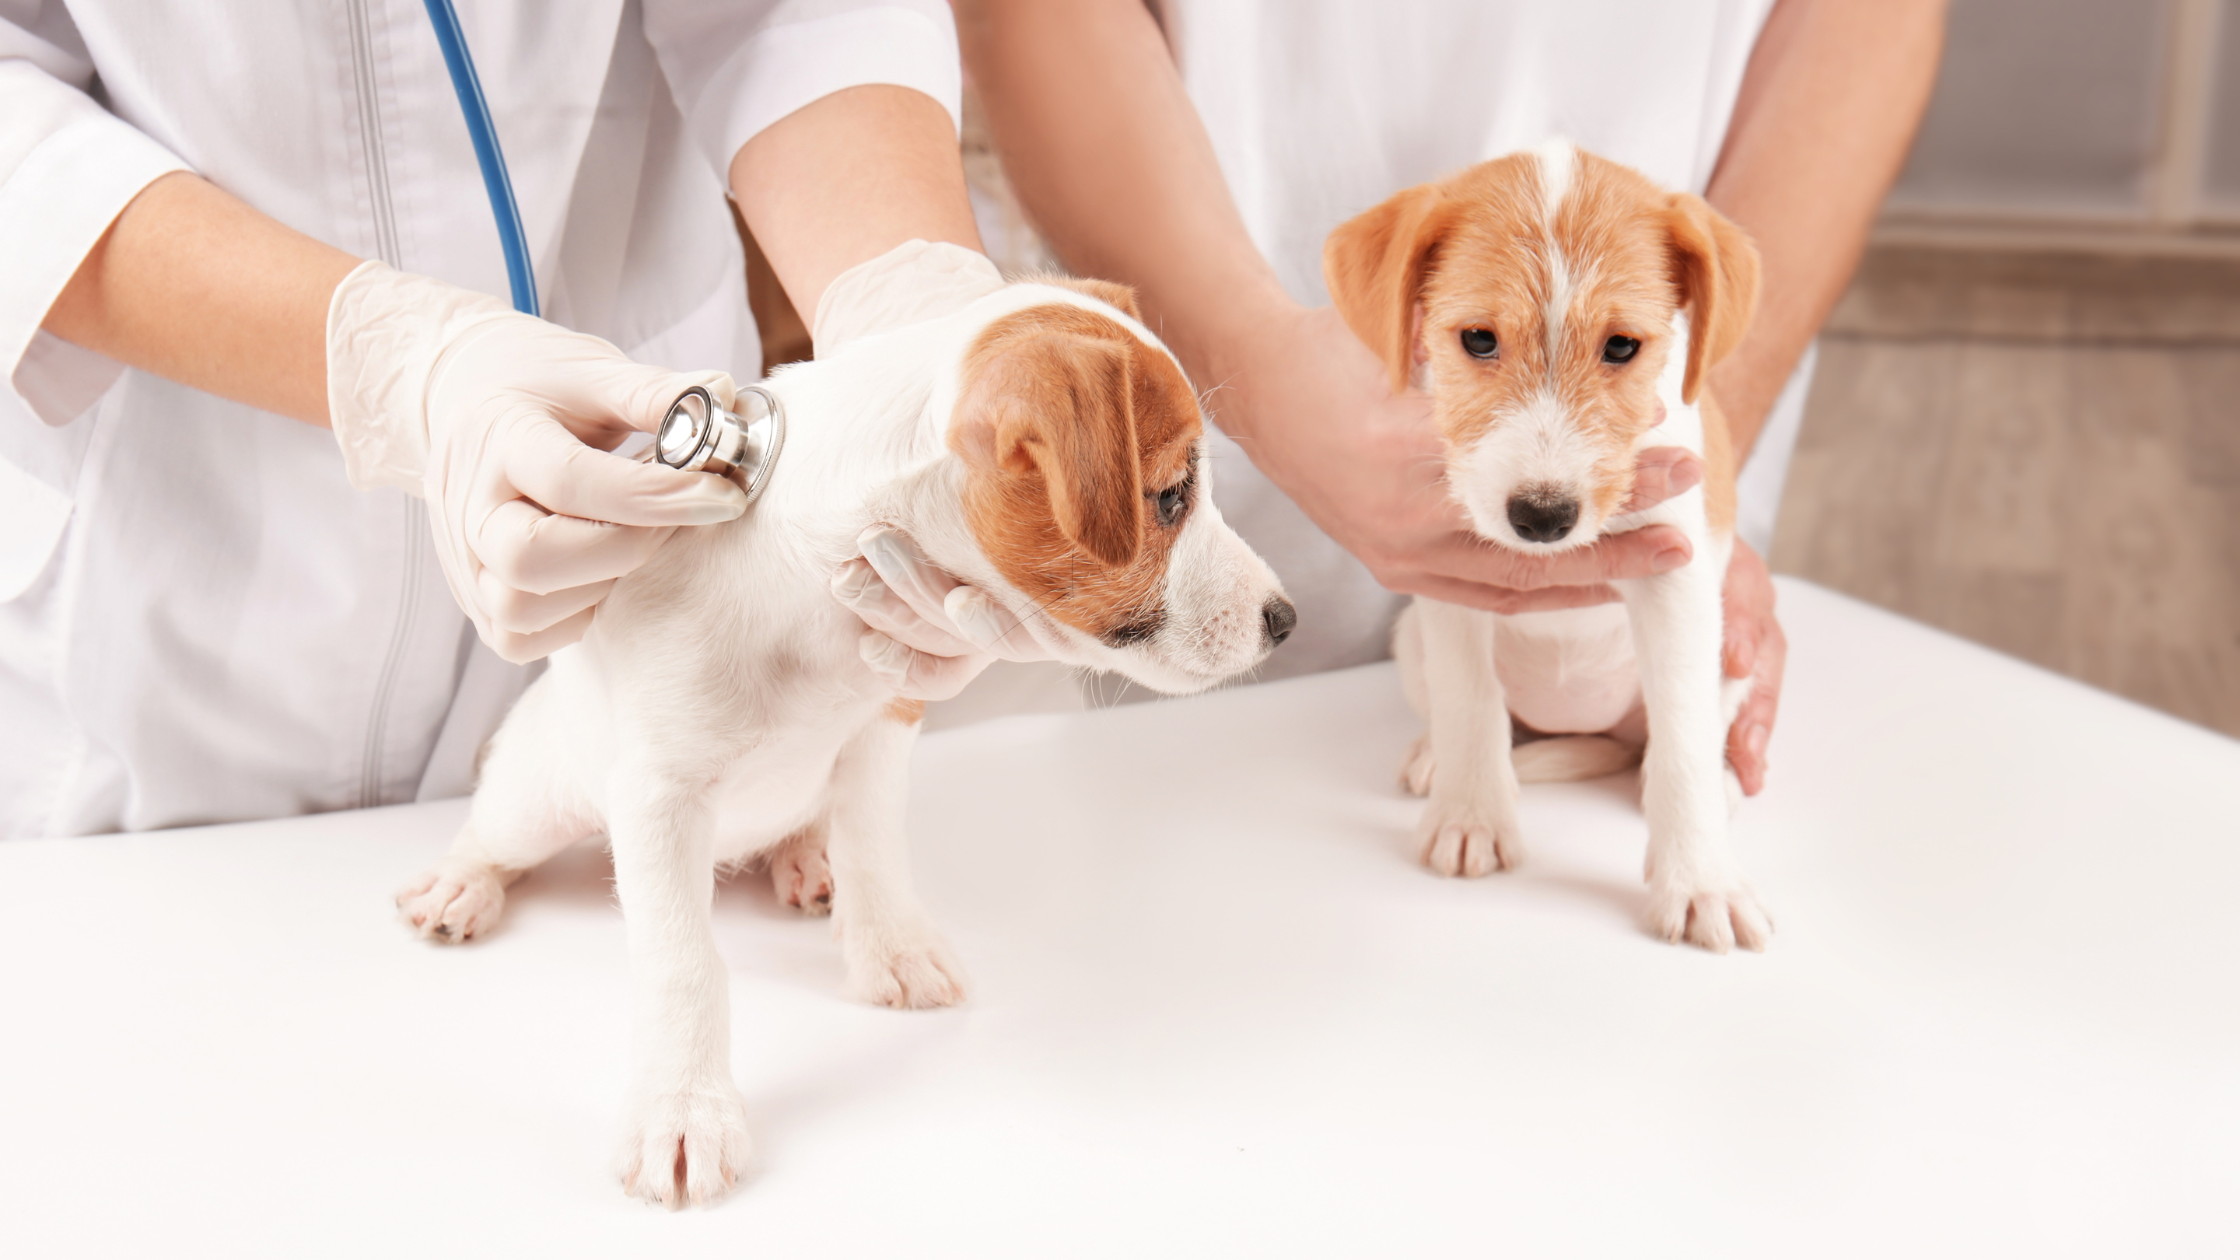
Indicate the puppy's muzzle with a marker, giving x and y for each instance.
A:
(1542, 514)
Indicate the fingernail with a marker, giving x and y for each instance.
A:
(973, 613)
(1686, 476)
(883, 550)
(1669, 559)
(1755, 739)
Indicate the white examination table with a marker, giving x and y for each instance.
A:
(1219, 1009)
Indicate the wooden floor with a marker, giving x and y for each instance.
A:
(2041, 453)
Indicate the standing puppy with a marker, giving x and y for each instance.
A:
(1539, 298)
(1041, 445)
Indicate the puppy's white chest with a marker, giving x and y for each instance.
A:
(1570, 672)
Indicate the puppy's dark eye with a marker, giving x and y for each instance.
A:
(1480, 342)
(1171, 503)
(1620, 349)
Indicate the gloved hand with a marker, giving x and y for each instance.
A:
(502, 422)
(928, 634)
(915, 280)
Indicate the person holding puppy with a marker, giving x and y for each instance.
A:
(1201, 150)
(227, 229)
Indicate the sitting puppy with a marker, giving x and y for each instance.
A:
(1040, 444)
(1538, 298)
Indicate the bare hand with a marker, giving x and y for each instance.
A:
(1309, 404)
(1755, 649)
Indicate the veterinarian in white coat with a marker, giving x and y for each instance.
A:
(1202, 150)
(201, 619)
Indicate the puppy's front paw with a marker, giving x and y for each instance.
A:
(686, 1146)
(800, 875)
(1468, 845)
(910, 970)
(1415, 776)
(1717, 914)
(455, 902)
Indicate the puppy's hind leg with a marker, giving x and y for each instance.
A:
(895, 955)
(526, 809)
(799, 872)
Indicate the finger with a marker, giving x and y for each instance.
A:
(521, 649)
(1739, 653)
(917, 675)
(517, 611)
(994, 628)
(1661, 472)
(640, 394)
(1634, 554)
(906, 571)
(1752, 732)
(860, 590)
(552, 467)
(535, 551)
(1507, 600)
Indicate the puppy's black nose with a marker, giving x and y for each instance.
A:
(1543, 518)
(1279, 617)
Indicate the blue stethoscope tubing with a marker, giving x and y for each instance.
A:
(519, 274)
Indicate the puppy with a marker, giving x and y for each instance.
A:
(1040, 444)
(1562, 311)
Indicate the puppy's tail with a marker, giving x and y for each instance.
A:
(1569, 758)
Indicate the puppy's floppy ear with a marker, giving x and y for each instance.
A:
(1059, 406)
(1716, 268)
(1374, 265)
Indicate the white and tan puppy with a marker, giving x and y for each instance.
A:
(1562, 312)
(1041, 445)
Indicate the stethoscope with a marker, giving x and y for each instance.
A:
(696, 435)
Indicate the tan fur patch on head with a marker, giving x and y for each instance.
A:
(1545, 257)
(1072, 429)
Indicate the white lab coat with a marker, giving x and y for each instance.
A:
(1320, 109)
(200, 620)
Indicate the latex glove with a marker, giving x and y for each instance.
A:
(914, 281)
(1311, 405)
(927, 634)
(1755, 649)
(502, 422)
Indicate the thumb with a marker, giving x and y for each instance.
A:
(549, 465)
(639, 394)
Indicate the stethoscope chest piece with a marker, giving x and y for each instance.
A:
(699, 436)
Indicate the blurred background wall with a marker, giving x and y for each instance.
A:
(2113, 112)
(2026, 425)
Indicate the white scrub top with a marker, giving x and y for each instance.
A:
(1320, 109)
(200, 620)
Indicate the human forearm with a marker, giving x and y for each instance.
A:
(847, 178)
(196, 287)
(1109, 158)
(1828, 109)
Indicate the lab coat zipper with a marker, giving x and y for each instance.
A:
(415, 531)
